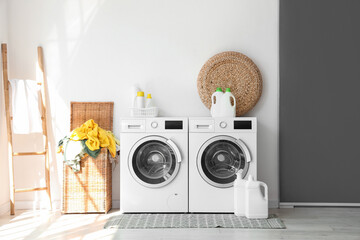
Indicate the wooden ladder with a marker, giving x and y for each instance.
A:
(11, 153)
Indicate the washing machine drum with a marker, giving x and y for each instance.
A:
(220, 158)
(153, 161)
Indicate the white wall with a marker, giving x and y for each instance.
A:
(96, 50)
(4, 177)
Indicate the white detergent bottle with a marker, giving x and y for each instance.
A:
(139, 100)
(215, 102)
(239, 194)
(256, 202)
(228, 104)
(149, 102)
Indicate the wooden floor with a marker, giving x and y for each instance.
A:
(302, 223)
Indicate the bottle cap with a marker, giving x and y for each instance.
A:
(140, 94)
(228, 90)
(148, 96)
(218, 89)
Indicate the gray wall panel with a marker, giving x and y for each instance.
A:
(320, 101)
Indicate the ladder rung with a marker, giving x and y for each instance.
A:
(42, 118)
(28, 153)
(30, 189)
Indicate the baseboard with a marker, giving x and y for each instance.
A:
(5, 208)
(273, 204)
(115, 203)
(26, 205)
(309, 204)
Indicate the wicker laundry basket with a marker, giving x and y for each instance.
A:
(90, 189)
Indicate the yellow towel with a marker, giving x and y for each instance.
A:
(96, 137)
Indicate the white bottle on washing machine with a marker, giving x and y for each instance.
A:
(228, 104)
(216, 102)
(139, 100)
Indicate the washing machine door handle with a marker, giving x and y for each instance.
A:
(245, 149)
(175, 148)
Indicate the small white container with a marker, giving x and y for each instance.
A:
(139, 100)
(149, 102)
(256, 204)
(216, 103)
(239, 195)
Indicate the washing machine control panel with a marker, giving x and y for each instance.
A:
(166, 125)
(159, 124)
(225, 125)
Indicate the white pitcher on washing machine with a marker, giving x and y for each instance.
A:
(215, 109)
(228, 104)
(223, 104)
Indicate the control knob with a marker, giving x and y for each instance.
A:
(223, 124)
(154, 124)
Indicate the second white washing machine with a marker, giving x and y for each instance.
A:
(218, 148)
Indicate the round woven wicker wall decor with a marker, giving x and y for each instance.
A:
(231, 70)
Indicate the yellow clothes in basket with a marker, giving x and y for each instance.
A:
(96, 137)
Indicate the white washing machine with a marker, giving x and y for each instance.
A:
(154, 165)
(218, 148)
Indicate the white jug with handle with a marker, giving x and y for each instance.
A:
(256, 204)
(239, 194)
(216, 102)
(228, 104)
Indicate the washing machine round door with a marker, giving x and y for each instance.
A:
(220, 158)
(154, 161)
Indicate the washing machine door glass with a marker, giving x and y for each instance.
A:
(154, 162)
(220, 158)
